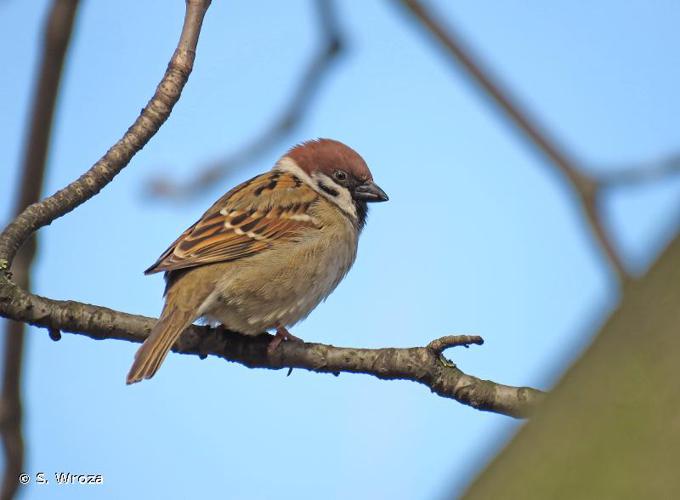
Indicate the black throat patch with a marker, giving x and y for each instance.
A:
(362, 213)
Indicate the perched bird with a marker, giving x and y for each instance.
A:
(267, 252)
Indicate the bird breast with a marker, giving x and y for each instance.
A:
(284, 284)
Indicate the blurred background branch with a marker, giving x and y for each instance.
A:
(584, 187)
(56, 37)
(643, 172)
(330, 48)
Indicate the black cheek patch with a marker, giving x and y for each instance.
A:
(328, 190)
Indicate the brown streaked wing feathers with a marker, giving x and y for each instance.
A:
(244, 222)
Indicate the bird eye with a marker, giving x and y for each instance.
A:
(339, 175)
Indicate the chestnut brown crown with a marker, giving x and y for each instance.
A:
(328, 155)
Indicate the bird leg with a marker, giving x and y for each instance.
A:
(281, 335)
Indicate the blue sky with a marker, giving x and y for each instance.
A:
(479, 236)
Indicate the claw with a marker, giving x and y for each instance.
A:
(281, 335)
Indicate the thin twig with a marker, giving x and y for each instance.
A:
(319, 66)
(640, 173)
(584, 187)
(441, 344)
(56, 37)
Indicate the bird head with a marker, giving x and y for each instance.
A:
(337, 172)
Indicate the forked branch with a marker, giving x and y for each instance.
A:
(116, 159)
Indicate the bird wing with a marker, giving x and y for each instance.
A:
(272, 207)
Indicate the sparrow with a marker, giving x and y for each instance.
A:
(267, 252)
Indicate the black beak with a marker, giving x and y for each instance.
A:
(370, 191)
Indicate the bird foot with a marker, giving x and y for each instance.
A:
(281, 335)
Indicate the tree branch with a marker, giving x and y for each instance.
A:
(424, 365)
(585, 188)
(319, 66)
(56, 37)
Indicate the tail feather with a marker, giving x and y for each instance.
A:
(150, 356)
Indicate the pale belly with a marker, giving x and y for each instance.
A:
(279, 287)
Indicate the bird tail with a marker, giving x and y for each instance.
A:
(173, 321)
